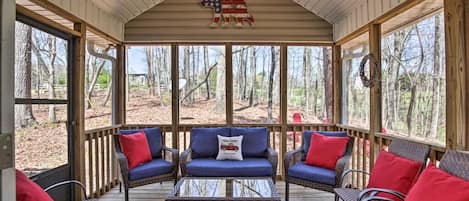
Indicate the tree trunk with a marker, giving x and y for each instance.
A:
(150, 66)
(206, 66)
(433, 132)
(51, 40)
(307, 67)
(327, 68)
(108, 94)
(23, 113)
(186, 72)
(159, 70)
(410, 111)
(93, 83)
(252, 86)
(271, 84)
(394, 85)
(194, 73)
(245, 76)
(220, 92)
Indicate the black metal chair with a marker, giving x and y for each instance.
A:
(71, 182)
(403, 148)
(130, 182)
(295, 158)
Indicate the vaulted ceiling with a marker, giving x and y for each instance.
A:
(125, 10)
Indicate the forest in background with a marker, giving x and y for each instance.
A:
(413, 80)
(256, 84)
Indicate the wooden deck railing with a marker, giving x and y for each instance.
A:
(361, 153)
(102, 173)
(100, 163)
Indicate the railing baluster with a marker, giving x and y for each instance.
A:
(90, 165)
(96, 163)
(108, 162)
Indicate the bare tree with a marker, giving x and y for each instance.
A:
(206, 66)
(150, 67)
(307, 67)
(220, 89)
(252, 93)
(24, 113)
(327, 70)
(95, 69)
(437, 61)
(271, 83)
(47, 47)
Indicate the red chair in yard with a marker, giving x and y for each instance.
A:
(297, 119)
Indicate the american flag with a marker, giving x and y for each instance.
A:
(230, 9)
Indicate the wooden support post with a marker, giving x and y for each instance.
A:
(337, 83)
(7, 101)
(175, 94)
(283, 105)
(78, 105)
(375, 91)
(457, 77)
(466, 14)
(119, 87)
(229, 83)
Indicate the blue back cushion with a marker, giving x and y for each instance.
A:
(307, 139)
(153, 138)
(204, 141)
(255, 140)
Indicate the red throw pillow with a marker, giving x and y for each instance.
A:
(27, 190)
(324, 151)
(435, 185)
(135, 148)
(394, 172)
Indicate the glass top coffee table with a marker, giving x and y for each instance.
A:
(239, 189)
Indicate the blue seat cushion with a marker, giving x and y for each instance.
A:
(249, 167)
(204, 141)
(153, 168)
(312, 173)
(307, 138)
(153, 137)
(255, 140)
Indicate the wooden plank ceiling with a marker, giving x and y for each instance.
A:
(126, 10)
(185, 20)
(330, 10)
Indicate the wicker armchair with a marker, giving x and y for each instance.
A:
(168, 154)
(454, 162)
(296, 156)
(403, 148)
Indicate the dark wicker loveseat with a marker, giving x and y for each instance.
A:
(259, 160)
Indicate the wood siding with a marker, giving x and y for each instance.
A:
(92, 14)
(186, 20)
(362, 13)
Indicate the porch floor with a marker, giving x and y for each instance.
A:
(158, 192)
